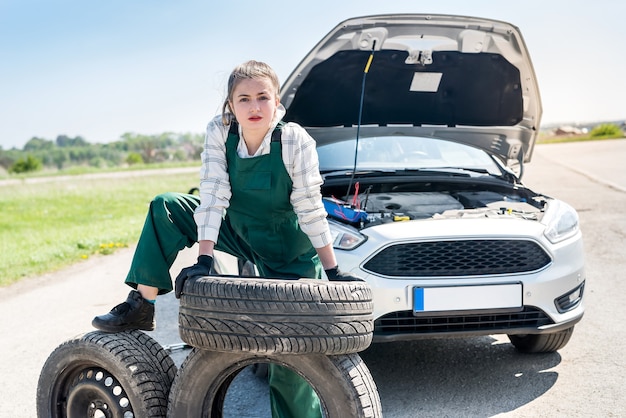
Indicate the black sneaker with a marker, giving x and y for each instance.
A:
(135, 313)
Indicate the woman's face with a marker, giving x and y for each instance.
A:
(254, 103)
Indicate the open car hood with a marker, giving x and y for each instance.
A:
(459, 78)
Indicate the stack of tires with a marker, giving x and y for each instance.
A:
(314, 327)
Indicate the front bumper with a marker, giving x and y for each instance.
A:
(550, 299)
(403, 325)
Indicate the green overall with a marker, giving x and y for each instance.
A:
(260, 226)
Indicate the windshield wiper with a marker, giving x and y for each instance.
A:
(432, 171)
(349, 172)
(464, 169)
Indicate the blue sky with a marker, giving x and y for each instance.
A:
(99, 69)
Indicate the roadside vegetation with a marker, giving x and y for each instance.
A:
(50, 224)
(67, 155)
(599, 132)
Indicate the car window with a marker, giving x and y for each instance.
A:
(402, 152)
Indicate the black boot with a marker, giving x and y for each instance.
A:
(135, 313)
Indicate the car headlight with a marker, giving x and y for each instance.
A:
(345, 237)
(561, 221)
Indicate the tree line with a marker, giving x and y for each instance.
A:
(65, 152)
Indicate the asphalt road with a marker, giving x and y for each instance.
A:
(473, 377)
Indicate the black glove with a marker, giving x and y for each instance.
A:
(336, 275)
(200, 269)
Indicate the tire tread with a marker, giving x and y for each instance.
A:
(276, 316)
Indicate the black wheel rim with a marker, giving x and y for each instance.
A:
(92, 392)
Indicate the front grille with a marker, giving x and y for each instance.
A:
(404, 322)
(458, 258)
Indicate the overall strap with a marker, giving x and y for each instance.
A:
(278, 132)
(234, 130)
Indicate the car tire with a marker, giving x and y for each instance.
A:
(343, 383)
(276, 316)
(541, 343)
(121, 374)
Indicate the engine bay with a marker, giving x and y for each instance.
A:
(399, 203)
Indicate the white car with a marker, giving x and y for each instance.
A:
(423, 125)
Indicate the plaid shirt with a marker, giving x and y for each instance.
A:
(300, 158)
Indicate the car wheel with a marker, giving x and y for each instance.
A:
(276, 316)
(541, 343)
(126, 374)
(343, 383)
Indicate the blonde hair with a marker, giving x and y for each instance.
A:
(246, 71)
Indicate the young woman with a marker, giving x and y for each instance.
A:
(260, 200)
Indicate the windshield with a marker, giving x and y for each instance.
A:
(402, 152)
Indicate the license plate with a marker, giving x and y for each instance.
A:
(467, 298)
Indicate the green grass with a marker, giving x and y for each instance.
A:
(573, 138)
(49, 225)
(83, 169)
